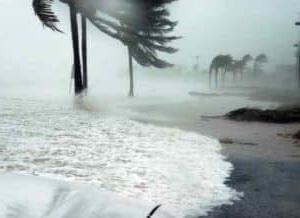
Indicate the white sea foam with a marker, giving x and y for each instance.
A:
(183, 171)
(34, 197)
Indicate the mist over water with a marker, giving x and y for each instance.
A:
(97, 141)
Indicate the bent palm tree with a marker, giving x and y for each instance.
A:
(143, 32)
(226, 63)
(244, 62)
(214, 68)
(43, 10)
(218, 63)
(152, 19)
(238, 66)
(258, 62)
(235, 68)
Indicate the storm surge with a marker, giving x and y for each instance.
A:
(183, 171)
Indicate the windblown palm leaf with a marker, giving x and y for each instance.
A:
(247, 58)
(262, 58)
(42, 9)
(221, 61)
(140, 24)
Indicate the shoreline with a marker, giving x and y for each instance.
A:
(266, 163)
(267, 171)
(266, 168)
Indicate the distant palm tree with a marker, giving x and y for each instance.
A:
(196, 65)
(227, 62)
(108, 17)
(258, 63)
(215, 66)
(234, 68)
(245, 61)
(238, 66)
(220, 62)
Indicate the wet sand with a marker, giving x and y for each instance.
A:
(266, 159)
(266, 170)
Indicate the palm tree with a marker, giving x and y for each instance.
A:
(220, 62)
(214, 68)
(196, 65)
(130, 64)
(258, 62)
(108, 17)
(238, 66)
(244, 62)
(154, 13)
(84, 52)
(226, 63)
(235, 68)
(131, 81)
(43, 10)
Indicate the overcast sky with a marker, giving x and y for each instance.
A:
(238, 27)
(208, 27)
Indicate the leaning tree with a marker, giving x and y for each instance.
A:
(259, 61)
(220, 62)
(139, 24)
(244, 62)
(234, 68)
(226, 63)
(239, 66)
(151, 19)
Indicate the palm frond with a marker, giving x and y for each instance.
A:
(142, 25)
(43, 10)
(262, 58)
(153, 211)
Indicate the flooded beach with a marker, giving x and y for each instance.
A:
(66, 141)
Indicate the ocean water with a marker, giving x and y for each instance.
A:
(72, 142)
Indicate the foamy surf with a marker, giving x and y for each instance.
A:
(34, 197)
(183, 171)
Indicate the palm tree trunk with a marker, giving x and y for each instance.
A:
(84, 53)
(210, 75)
(75, 40)
(234, 76)
(216, 78)
(255, 70)
(299, 70)
(224, 78)
(242, 75)
(131, 89)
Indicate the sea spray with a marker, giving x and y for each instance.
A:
(183, 171)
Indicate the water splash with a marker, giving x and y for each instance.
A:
(182, 170)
